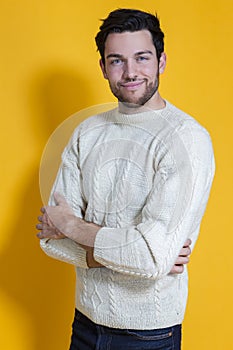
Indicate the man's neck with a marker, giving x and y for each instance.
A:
(155, 103)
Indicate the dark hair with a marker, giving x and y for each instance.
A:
(128, 20)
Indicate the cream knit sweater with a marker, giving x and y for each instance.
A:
(145, 178)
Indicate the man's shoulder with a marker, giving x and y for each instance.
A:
(96, 120)
(182, 120)
(92, 122)
(191, 132)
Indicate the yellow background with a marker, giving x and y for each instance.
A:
(49, 70)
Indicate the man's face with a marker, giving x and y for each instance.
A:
(132, 68)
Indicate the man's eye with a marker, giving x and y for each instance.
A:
(116, 62)
(142, 58)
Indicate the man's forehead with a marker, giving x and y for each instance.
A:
(129, 42)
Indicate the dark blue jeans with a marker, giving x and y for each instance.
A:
(90, 336)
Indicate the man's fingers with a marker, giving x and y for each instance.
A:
(47, 232)
(185, 252)
(177, 269)
(188, 242)
(44, 219)
(181, 260)
(39, 226)
(44, 227)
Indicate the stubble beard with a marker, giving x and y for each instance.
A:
(150, 90)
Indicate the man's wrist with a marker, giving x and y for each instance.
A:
(82, 232)
(91, 262)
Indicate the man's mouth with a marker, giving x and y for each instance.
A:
(132, 85)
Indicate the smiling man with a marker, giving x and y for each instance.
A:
(129, 198)
(132, 68)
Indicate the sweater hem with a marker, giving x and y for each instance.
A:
(132, 323)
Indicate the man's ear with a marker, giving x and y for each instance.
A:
(102, 66)
(162, 62)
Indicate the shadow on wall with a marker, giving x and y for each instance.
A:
(39, 285)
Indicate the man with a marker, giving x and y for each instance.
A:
(129, 198)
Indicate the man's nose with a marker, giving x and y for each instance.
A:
(130, 70)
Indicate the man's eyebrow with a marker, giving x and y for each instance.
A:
(143, 53)
(115, 55)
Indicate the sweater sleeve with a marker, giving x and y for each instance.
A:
(68, 184)
(172, 212)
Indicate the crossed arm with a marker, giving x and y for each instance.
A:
(59, 222)
(159, 246)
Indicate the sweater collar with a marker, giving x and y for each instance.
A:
(116, 116)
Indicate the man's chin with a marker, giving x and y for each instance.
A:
(136, 102)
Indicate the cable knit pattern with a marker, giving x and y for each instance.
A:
(145, 178)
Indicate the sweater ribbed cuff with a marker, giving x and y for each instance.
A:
(65, 250)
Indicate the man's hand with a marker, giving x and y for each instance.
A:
(48, 229)
(183, 258)
(59, 221)
(56, 221)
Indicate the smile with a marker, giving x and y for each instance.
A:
(133, 85)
